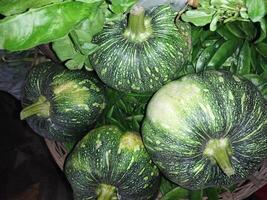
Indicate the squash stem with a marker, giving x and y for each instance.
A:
(40, 108)
(220, 150)
(138, 28)
(106, 192)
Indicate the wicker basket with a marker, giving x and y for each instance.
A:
(242, 191)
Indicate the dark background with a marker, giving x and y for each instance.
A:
(27, 169)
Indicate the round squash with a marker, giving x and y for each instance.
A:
(143, 53)
(61, 104)
(207, 129)
(110, 164)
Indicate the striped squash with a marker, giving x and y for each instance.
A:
(61, 104)
(143, 53)
(111, 164)
(207, 129)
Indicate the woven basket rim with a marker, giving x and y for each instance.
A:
(243, 190)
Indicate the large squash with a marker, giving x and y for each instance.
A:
(61, 104)
(110, 164)
(143, 53)
(207, 129)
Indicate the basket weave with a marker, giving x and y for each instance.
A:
(242, 191)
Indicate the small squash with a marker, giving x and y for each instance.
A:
(61, 104)
(110, 164)
(207, 129)
(142, 53)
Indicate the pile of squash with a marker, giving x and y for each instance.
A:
(168, 99)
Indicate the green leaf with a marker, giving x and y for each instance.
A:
(196, 195)
(232, 61)
(208, 35)
(176, 193)
(206, 55)
(8, 7)
(208, 42)
(123, 105)
(255, 60)
(263, 87)
(243, 13)
(235, 29)
(86, 30)
(195, 35)
(197, 17)
(116, 123)
(89, 27)
(264, 92)
(80, 43)
(76, 48)
(76, 57)
(91, 1)
(88, 47)
(263, 25)
(64, 48)
(188, 69)
(256, 9)
(212, 193)
(219, 2)
(214, 21)
(256, 79)
(249, 29)
(121, 6)
(125, 110)
(244, 59)
(77, 62)
(69, 145)
(225, 33)
(197, 50)
(223, 53)
(214, 11)
(205, 4)
(110, 112)
(263, 63)
(111, 17)
(97, 22)
(42, 25)
(262, 48)
(166, 185)
(88, 66)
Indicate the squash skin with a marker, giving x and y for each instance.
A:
(76, 101)
(141, 67)
(102, 157)
(213, 104)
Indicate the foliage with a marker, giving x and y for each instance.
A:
(235, 46)
(210, 12)
(125, 110)
(27, 24)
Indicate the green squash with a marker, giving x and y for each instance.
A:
(61, 104)
(207, 129)
(144, 53)
(110, 164)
